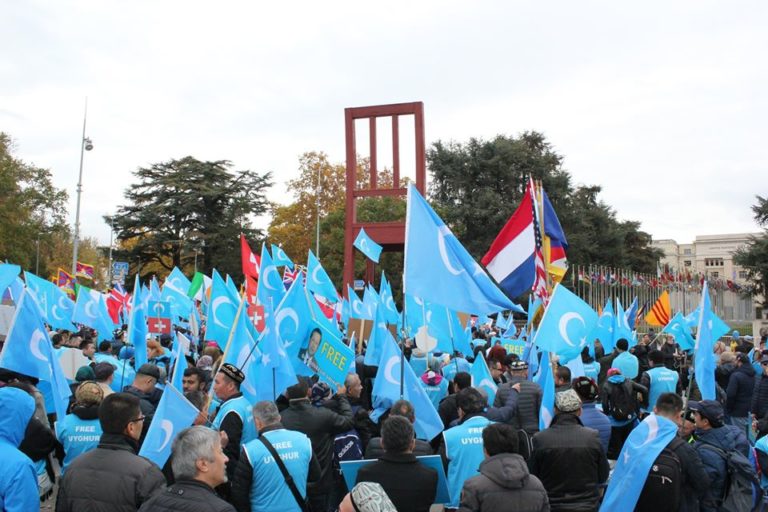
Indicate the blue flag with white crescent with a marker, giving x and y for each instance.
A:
(604, 329)
(57, 306)
(180, 352)
(565, 325)
(279, 257)
(274, 372)
(292, 321)
(678, 328)
(437, 265)
(621, 328)
(91, 310)
(28, 350)
(367, 246)
(386, 391)
(371, 300)
(377, 339)
(175, 290)
(243, 354)
(481, 378)
(631, 314)
(640, 450)
(386, 298)
(137, 324)
(318, 281)
(546, 380)
(221, 311)
(271, 289)
(356, 307)
(174, 413)
(709, 331)
(8, 274)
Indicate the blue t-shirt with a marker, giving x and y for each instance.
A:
(663, 380)
(269, 492)
(464, 451)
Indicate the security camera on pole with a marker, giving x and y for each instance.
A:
(85, 145)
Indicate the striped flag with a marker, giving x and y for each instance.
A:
(540, 281)
(84, 270)
(661, 312)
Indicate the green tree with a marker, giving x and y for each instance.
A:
(477, 185)
(32, 210)
(754, 256)
(185, 208)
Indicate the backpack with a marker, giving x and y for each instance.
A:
(742, 488)
(524, 444)
(623, 405)
(662, 491)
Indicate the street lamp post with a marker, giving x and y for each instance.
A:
(317, 206)
(85, 145)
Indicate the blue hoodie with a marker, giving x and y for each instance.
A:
(18, 479)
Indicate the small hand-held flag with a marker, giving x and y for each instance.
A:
(367, 246)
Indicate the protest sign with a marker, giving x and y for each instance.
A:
(327, 355)
(513, 346)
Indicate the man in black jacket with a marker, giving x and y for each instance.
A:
(320, 424)
(568, 458)
(112, 477)
(404, 408)
(199, 466)
(409, 484)
(741, 384)
(448, 408)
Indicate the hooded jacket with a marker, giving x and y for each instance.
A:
(632, 387)
(18, 479)
(435, 386)
(741, 384)
(504, 483)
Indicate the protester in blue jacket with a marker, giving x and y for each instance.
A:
(18, 480)
(80, 431)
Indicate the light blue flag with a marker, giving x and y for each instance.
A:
(437, 265)
(137, 324)
(371, 301)
(386, 391)
(533, 361)
(631, 315)
(244, 354)
(604, 329)
(91, 310)
(377, 339)
(621, 328)
(546, 380)
(459, 340)
(154, 290)
(481, 378)
(640, 450)
(221, 311)
(346, 311)
(356, 307)
(274, 372)
(8, 274)
(511, 328)
(565, 325)
(271, 289)
(182, 348)
(692, 318)
(57, 306)
(175, 290)
(318, 281)
(367, 246)
(680, 330)
(385, 297)
(28, 350)
(415, 313)
(279, 257)
(576, 366)
(293, 321)
(174, 413)
(709, 331)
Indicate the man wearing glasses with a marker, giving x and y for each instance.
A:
(112, 477)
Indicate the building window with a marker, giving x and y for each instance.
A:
(742, 274)
(715, 274)
(713, 262)
(687, 252)
(687, 263)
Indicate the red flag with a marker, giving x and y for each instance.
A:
(159, 325)
(251, 262)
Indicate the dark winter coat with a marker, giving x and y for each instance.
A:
(695, 481)
(110, 478)
(187, 496)
(760, 397)
(739, 391)
(570, 461)
(448, 410)
(726, 438)
(374, 450)
(528, 403)
(320, 424)
(408, 483)
(504, 483)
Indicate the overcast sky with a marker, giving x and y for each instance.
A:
(663, 104)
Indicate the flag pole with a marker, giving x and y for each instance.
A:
(229, 342)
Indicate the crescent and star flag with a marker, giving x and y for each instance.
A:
(386, 391)
(271, 289)
(174, 413)
(546, 379)
(251, 263)
(604, 329)
(388, 301)
(640, 451)
(221, 311)
(436, 265)
(318, 281)
(481, 378)
(8, 273)
(137, 324)
(280, 258)
(28, 350)
(91, 310)
(293, 319)
(565, 325)
(710, 328)
(621, 328)
(57, 308)
(367, 246)
(680, 330)
(661, 312)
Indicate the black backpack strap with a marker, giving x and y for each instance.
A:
(287, 476)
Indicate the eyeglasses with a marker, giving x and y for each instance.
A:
(140, 418)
